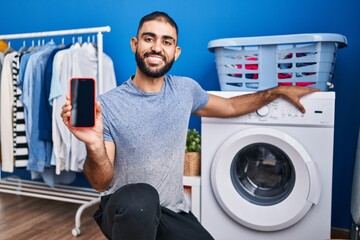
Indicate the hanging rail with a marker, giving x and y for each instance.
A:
(56, 33)
(87, 197)
(98, 30)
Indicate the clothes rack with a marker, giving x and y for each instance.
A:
(81, 195)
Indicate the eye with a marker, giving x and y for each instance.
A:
(148, 39)
(167, 42)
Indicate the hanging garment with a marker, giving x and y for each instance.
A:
(59, 88)
(39, 151)
(1, 63)
(7, 98)
(21, 151)
(45, 109)
(85, 63)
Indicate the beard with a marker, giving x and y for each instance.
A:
(148, 71)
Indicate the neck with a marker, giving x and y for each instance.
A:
(148, 84)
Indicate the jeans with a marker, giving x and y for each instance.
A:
(133, 212)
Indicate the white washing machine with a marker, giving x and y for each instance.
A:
(268, 174)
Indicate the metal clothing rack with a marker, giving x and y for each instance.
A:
(81, 195)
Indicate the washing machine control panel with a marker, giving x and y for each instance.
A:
(280, 111)
(319, 106)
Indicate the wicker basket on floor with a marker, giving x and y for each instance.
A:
(192, 164)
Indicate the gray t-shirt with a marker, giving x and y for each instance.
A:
(149, 131)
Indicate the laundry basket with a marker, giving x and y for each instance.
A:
(258, 63)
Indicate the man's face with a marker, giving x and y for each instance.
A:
(155, 48)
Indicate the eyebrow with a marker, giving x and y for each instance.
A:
(154, 35)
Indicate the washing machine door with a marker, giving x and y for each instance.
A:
(264, 179)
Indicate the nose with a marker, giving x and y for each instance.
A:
(156, 47)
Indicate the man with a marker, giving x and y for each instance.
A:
(135, 151)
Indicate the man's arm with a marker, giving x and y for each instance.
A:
(243, 104)
(99, 163)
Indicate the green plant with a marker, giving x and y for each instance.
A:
(193, 141)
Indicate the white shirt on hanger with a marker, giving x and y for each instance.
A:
(7, 100)
(60, 134)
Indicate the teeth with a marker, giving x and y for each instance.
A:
(155, 59)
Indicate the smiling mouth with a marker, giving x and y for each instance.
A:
(154, 54)
(154, 59)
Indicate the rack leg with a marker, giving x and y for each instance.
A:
(355, 231)
(76, 231)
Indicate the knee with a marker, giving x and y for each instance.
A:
(130, 208)
(136, 198)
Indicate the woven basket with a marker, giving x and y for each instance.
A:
(192, 164)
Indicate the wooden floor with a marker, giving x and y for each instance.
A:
(28, 218)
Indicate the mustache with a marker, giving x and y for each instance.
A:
(147, 54)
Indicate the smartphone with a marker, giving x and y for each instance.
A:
(82, 97)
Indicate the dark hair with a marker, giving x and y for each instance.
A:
(158, 16)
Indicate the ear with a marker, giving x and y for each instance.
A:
(177, 52)
(133, 43)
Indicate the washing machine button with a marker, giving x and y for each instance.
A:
(263, 111)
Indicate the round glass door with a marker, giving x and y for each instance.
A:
(264, 179)
(263, 174)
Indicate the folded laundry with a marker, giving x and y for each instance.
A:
(304, 84)
(252, 76)
(284, 75)
(255, 67)
(285, 65)
(237, 75)
(283, 56)
(299, 84)
(235, 84)
(251, 66)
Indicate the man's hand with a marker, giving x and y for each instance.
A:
(86, 135)
(294, 94)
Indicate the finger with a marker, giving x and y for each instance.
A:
(98, 106)
(66, 106)
(311, 90)
(98, 111)
(65, 110)
(315, 89)
(65, 114)
(301, 108)
(66, 120)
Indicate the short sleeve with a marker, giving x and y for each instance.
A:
(106, 131)
(200, 96)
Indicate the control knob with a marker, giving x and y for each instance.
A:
(263, 111)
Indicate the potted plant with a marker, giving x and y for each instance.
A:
(192, 153)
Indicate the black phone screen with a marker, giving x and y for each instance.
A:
(82, 97)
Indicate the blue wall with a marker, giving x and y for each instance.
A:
(204, 20)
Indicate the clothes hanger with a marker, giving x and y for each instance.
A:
(62, 45)
(75, 44)
(9, 49)
(94, 42)
(23, 48)
(32, 47)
